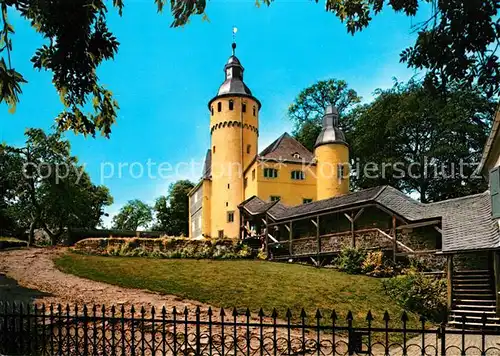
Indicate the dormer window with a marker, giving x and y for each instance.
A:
(296, 155)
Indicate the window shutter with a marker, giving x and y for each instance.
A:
(495, 192)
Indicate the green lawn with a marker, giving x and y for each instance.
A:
(244, 283)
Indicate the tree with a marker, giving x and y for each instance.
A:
(422, 141)
(458, 43)
(172, 211)
(133, 215)
(306, 112)
(49, 189)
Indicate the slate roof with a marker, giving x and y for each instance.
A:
(283, 149)
(207, 167)
(466, 222)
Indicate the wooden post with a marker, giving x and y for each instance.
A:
(290, 237)
(242, 228)
(449, 280)
(394, 236)
(352, 231)
(266, 231)
(496, 268)
(318, 240)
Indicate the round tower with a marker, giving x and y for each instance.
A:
(234, 127)
(332, 156)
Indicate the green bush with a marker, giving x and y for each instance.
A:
(350, 260)
(420, 294)
(376, 265)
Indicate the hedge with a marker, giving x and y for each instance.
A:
(171, 247)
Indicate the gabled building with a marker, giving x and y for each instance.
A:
(236, 170)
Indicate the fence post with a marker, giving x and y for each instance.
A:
(85, 331)
(442, 332)
(350, 343)
(198, 334)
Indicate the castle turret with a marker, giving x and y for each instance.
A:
(234, 124)
(332, 156)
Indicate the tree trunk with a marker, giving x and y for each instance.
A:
(31, 236)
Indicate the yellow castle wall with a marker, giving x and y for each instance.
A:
(205, 206)
(328, 158)
(290, 191)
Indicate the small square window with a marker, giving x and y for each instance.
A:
(219, 106)
(230, 216)
(228, 186)
(221, 234)
(249, 148)
(275, 197)
(254, 111)
(244, 107)
(306, 200)
(213, 149)
(231, 105)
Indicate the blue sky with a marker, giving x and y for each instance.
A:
(164, 77)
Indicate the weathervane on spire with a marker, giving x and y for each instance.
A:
(235, 29)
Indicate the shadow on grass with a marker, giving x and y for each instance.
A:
(11, 291)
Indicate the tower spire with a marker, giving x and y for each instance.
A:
(235, 29)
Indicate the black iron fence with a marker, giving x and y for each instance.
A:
(56, 330)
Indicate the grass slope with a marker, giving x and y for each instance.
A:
(245, 283)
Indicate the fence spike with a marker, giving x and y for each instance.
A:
(103, 309)
(67, 308)
(261, 313)
(422, 319)
(288, 313)
(318, 314)
(122, 309)
(59, 308)
(274, 313)
(94, 309)
(247, 312)
(303, 313)
(84, 308)
(143, 311)
(235, 312)
(369, 316)
(132, 309)
(386, 316)
(210, 311)
(186, 311)
(113, 310)
(404, 317)
(349, 316)
(163, 311)
(333, 316)
(174, 310)
(153, 311)
(198, 310)
(51, 307)
(222, 312)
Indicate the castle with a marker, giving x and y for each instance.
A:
(235, 171)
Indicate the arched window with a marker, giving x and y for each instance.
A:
(231, 105)
(244, 107)
(254, 111)
(219, 106)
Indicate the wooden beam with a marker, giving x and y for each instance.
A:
(272, 238)
(318, 238)
(286, 226)
(314, 261)
(323, 213)
(348, 217)
(353, 234)
(392, 239)
(438, 229)
(449, 280)
(419, 224)
(496, 269)
(394, 236)
(314, 223)
(358, 214)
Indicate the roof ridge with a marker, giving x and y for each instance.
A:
(487, 191)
